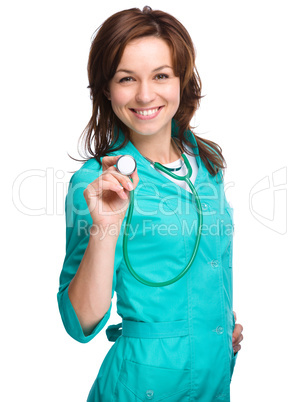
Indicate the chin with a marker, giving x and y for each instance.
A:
(148, 130)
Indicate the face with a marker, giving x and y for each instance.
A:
(144, 92)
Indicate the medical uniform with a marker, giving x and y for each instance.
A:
(174, 343)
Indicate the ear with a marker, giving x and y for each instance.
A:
(107, 93)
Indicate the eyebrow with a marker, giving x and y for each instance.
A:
(132, 72)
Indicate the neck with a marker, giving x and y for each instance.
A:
(162, 150)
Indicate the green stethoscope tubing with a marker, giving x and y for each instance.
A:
(198, 235)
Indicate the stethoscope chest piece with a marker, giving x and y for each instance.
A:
(126, 165)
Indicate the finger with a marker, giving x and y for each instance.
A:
(95, 190)
(108, 161)
(115, 186)
(235, 316)
(238, 340)
(115, 176)
(237, 336)
(236, 348)
(236, 332)
(238, 328)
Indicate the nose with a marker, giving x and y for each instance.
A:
(145, 93)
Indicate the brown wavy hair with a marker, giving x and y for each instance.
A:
(107, 48)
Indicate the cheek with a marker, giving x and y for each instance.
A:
(174, 94)
(174, 100)
(119, 97)
(117, 100)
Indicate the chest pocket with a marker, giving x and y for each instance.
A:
(140, 382)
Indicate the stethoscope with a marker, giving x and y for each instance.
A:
(126, 165)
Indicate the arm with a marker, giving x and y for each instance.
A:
(90, 290)
(87, 279)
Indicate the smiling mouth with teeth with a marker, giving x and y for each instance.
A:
(148, 112)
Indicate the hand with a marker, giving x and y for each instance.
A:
(107, 196)
(237, 336)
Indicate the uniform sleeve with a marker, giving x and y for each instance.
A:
(78, 223)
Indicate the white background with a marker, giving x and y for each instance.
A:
(247, 60)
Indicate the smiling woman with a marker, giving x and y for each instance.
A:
(175, 339)
(111, 41)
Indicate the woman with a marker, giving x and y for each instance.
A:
(176, 339)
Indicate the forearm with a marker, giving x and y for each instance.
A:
(90, 290)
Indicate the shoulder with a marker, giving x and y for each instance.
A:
(87, 173)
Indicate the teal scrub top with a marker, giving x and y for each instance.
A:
(174, 343)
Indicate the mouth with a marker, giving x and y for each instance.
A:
(146, 114)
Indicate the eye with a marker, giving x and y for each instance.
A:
(161, 77)
(126, 79)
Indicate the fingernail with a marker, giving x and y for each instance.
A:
(130, 186)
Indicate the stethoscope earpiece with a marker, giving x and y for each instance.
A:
(126, 165)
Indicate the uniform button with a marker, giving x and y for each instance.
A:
(214, 263)
(149, 394)
(204, 206)
(219, 330)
